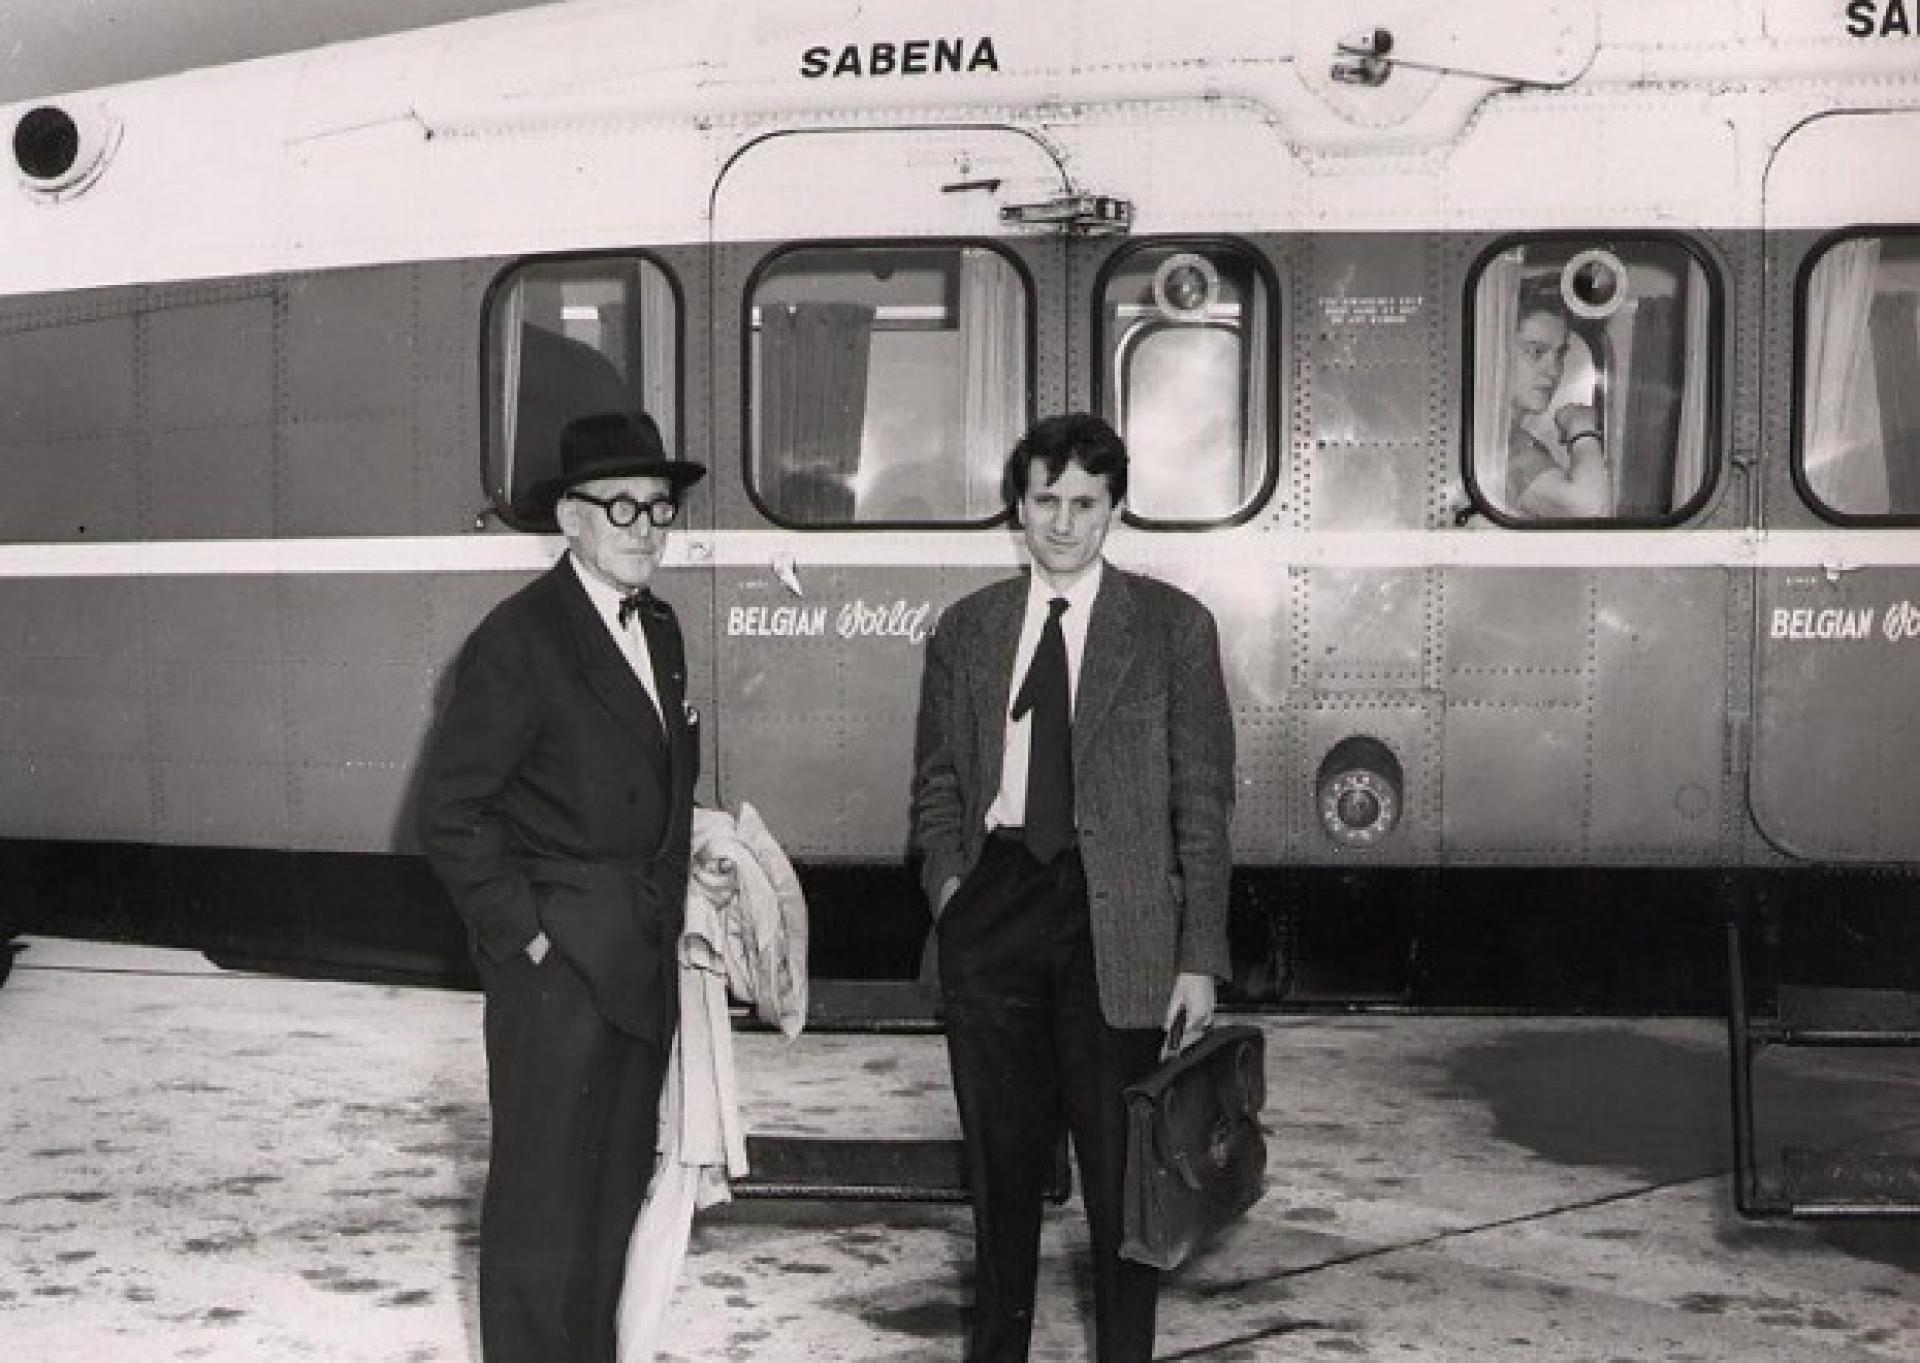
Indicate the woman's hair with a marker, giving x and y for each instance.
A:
(1541, 293)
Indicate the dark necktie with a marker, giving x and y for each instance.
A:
(1050, 750)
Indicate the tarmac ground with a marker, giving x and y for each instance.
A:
(199, 1164)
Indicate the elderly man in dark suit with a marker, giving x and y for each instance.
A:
(556, 805)
(1072, 790)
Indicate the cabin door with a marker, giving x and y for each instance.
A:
(881, 334)
(1836, 755)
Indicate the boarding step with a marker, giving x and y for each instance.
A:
(869, 1170)
(1860, 1002)
(871, 1006)
(1824, 1015)
(1833, 1184)
(892, 1006)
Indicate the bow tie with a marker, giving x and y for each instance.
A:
(642, 602)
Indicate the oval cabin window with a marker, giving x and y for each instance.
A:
(568, 339)
(1859, 449)
(1591, 381)
(1185, 359)
(885, 384)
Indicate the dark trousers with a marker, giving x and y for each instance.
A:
(1030, 1050)
(575, 1106)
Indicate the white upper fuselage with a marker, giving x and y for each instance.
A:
(605, 123)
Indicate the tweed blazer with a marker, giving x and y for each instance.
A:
(1152, 767)
(555, 798)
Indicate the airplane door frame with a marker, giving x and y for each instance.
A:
(1835, 766)
(817, 733)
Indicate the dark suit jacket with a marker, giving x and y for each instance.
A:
(552, 799)
(1152, 770)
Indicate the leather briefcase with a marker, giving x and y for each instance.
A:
(1196, 1157)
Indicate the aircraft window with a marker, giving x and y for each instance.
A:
(1860, 385)
(886, 383)
(1185, 355)
(1592, 367)
(568, 339)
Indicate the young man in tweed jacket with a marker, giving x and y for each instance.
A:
(1075, 853)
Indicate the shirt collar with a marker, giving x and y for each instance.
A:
(605, 597)
(1079, 596)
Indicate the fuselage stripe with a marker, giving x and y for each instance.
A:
(1833, 551)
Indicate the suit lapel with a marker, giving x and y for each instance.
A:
(669, 663)
(604, 667)
(668, 656)
(1103, 667)
(993, 694)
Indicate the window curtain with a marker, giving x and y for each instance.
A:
(1896, 361)
(512, 317)
(813, 406)
(1845, 466)
(1690, 453)
(1494, 305)
(1607, 363)
(990, 322)
(1644, 437)
(657, 341)
(561, 379)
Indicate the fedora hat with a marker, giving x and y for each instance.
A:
(614, 445)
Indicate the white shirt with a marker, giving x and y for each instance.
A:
(1009, 807)
(630, 637)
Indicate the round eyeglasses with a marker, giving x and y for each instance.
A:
(622, 511)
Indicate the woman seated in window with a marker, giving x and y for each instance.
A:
(1573, 480)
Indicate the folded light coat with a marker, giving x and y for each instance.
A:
(746, 930)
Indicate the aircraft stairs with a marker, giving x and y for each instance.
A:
(1771, 1003)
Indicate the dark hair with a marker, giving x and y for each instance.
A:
(1541, 293)
(1056, 441)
